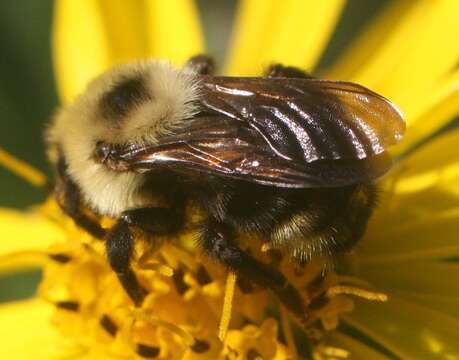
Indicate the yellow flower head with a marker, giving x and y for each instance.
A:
(189, 311)
(195, 309)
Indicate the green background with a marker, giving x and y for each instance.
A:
(28, 96)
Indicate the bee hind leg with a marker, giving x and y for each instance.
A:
(216, 239)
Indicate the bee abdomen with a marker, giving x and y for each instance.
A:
(326, 226)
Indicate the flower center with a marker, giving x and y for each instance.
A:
(193, 308)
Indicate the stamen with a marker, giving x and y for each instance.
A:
(333, 352)
(318, 302)
(350, 290)
(60, 258)
(160, 268)
(68, 305)
(172, 253)
(145, 263)
(202, 276)
(200, 346)
(253, 354)
(179, 282)
(147, 351)
(108, 325)
(227, 306)
(22, 169)
(187, 338)
(288, 333)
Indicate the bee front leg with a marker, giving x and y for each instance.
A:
(120, 242)
(120, 248)
(216, 240)
(68, 198)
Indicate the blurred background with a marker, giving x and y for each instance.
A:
(28, 96)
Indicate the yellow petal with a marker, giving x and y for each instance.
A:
(80, 46)
(174, 31)
(435, 107)
(411, 235)
(24, 236)
(27, 333)
(446, 304)
(124, 28)
(414, 277)
(418, 209)
(22, 169)
(292, 32)
(91, 36)
(370, 40)
(433, 165)
(416, 52)
(408, 330)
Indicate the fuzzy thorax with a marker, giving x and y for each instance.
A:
(133, 103)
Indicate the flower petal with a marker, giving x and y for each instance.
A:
(370, 40)
(406, 53)
(27, 333)
(23, 235)
(415, 277)
(408, 330)
(445, 304)
(80, 46)
(429, 236)
(174, 31)
(436, 164)
(435, 107)
(91, 36)
(22, 169)
(298, 31)
(124, 28)
(420, 202)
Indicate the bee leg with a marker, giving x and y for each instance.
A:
(279, 70)
(201, 64)
(155, 220)
(216, 240)
(120, 242)
(69, 199)
(120, 248)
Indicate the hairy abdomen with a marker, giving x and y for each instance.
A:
(299, 222)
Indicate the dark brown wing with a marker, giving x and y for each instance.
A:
(280, 132)
(227, 148)
(308, 119)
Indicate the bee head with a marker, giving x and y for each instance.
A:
(132, 104)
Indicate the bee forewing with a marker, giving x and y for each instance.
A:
(309, 119)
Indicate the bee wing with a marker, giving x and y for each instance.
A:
(224, 147)
(308, 119)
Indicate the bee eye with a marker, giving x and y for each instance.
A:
(102, 151)
(124, 96)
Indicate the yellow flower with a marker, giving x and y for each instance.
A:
(407, 53)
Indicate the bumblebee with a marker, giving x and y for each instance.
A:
(286, 157)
